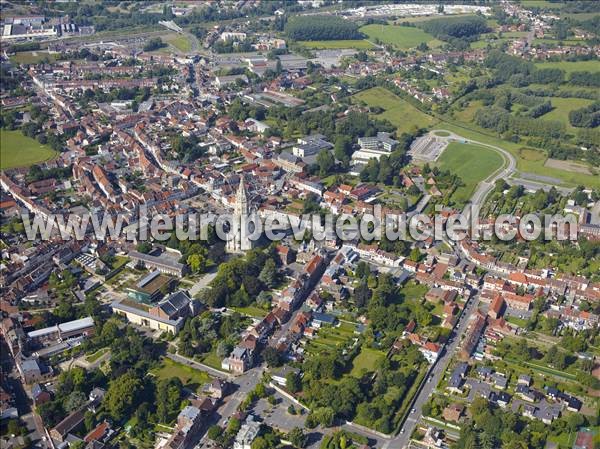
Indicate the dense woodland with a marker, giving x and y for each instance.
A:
(321, 28)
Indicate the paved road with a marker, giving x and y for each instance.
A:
(202, 283)
(485, 186)
(436, 372)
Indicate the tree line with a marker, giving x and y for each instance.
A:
(321, 28)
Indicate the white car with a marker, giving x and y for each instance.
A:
(402, 431)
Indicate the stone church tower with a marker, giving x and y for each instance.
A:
(240, 242)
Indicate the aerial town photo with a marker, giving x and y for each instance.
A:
(319, 224)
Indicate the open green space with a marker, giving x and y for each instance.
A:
(367, 361)
(190, 377)
(358, 44)
(252, 311)
(414, 291)
(562, 107)
(523, 165)
(32, 57)
(571, 66)
(91, 358)
(399, 36)
(398, 111)
(212, 359)
(17, 150)
(472, 163)
(181, 43)
(541, 4)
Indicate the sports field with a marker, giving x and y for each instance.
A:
(571, 66)
(399, 112)
(357, 44)
(472, 163)
(399, 36)
(524, 164)
(17, 150)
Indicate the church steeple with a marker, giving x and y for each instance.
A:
(241, 200)
(240, 241)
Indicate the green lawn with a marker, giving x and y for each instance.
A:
(367, 361)
(399, 36)
(212, 359)
(398, 111)
(358, 44)
(190, 377)
(17, 150)
(472, 163)
(414, 291)
(181, 43)
(562, 107)
(571, 66)
(541, 4)
(252, 311)
(32, 57)
(91, 358)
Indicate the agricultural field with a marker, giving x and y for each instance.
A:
(571, 66)
(399, 36)
(357, 44)
(17, 150)
(398, 111)
(459, 159)
(562, 107)
(190, 377)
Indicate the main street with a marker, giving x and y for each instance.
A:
(434, 376)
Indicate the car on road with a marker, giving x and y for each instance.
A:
(402, 431)
(413, 410)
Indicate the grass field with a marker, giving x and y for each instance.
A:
(180, 42)
(399, 112)
(399, 36)
(32, 57)
(253, 311)
(190, 377)
(358, 44)
(367, 361)
(541, 4)
(472, 163)
(17, 150)
(562, 107)
(524, 165)
(571, 66)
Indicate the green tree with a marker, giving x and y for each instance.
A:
(297, 437)
(326, 162)
(292, 382)
(268, 275)
(123, 395)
